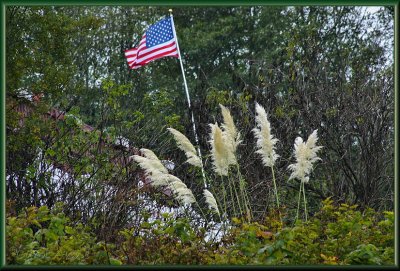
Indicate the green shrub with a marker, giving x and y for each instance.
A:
(39, 237)
(336, 235)
(164, 241)
(341, 235)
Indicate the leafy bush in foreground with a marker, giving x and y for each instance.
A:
(336, 235)
(39, 237)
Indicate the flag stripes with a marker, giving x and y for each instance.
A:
(143, 54)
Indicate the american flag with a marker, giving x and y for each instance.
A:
(157, 42)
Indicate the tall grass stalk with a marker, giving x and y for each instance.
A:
(161, 178)
(242, 187)
(232, 140)
(306, 155)
(275, 188)
(224, 199)
(219, 150)
(224, 143)
(305, 201)
(238, 201)
(187, 196)
(298, 203)
(276, 194)
(266, 145)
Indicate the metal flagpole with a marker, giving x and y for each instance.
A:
(188, 98)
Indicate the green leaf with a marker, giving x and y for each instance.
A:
(69, 230)
(146, 225)
(114, 261)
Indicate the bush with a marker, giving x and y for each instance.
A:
(336, 235)
(164, 241)
(39, 237)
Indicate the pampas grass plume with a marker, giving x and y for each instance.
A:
(185, 145)
(306, 155)
(150, 165)
(230, 135)
(160, 177)
(149, 154)
(265, 140)
(184, 195)
(218, 150)
(228, 125)
(210, 200)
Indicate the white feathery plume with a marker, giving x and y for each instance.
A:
(312, 148)
(181, 191)
(184, 195)
(160, 177)
(149, 154)
(154, 169)
(265, 140)
(230, 148)
(228, 125)
(176, 185)
(230, 134)
(159, 180)
(218, 151)
(210, 199)
(150, 165)
(184, 144)
(174, 182)
(306, 155)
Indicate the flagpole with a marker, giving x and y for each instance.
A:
(188, 98)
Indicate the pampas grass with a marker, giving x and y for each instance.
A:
(265, 140)
(306, 155)
(210, 200)
(230, 135)
(184, 195)
(149, 154)
(228, 125)
(187, 147)
(224, 140)
(161, 178)
(174, 182)
(150, 166)
(266, 144)
(219, 151)
(224, 143)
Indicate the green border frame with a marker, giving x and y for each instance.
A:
(214, 3)
(396, 130)
(2, 140)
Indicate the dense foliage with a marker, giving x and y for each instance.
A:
(335, 235)
(76, 115)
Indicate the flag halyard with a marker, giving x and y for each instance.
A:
(157, 42)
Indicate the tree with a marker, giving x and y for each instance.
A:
(325, 68)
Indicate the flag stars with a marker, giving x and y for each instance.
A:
(159, 33)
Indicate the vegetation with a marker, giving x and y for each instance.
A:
(294, 108)
(335, 235)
